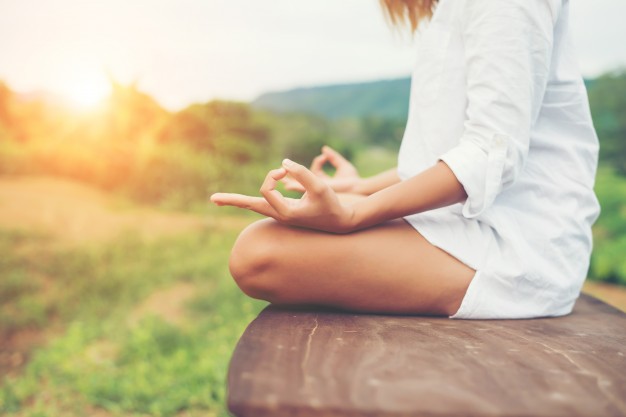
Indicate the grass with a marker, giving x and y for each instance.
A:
(96, 361)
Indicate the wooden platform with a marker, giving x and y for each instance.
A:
(328, 363)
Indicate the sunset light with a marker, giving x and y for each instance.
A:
(86, 90)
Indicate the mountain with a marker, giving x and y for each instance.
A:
(387, 99)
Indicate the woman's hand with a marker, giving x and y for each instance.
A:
(345, 180)
(319, 208)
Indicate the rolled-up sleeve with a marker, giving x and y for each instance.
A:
(508, 47)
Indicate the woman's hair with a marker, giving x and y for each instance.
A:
(400, 12)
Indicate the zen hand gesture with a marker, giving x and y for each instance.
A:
(319, 208)
(345, 179)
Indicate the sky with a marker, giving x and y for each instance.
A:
(185, 51)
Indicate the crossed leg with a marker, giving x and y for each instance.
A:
(390, 268)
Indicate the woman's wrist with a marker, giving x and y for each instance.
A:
(359, 214)
(359, 187)
(347, 222)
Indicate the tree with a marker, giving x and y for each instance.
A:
(607, 97)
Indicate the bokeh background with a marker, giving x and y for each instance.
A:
(118, 118)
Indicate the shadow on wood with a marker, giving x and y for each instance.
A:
(294, 362)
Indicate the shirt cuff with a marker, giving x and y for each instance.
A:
(479, 169)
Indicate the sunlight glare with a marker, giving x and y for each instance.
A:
(87, 89)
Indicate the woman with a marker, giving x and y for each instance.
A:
(489, 212)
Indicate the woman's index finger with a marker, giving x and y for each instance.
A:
(300, 173)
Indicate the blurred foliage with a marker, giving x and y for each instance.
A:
(608, 262)
(132, 146)
(607, 95)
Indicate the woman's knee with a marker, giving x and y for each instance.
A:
(254, 257)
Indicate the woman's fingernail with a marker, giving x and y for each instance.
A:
(287, 162)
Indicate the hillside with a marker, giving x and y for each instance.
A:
(387, 99)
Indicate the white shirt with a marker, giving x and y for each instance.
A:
(498, 96)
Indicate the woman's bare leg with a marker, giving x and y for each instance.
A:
(390, 268)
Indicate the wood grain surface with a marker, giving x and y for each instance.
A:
(297, 362)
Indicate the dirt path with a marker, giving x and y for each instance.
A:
(609, 293)
(167, 303)
(75, 213)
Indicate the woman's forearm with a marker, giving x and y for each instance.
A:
(435, 187)
(370, 185)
